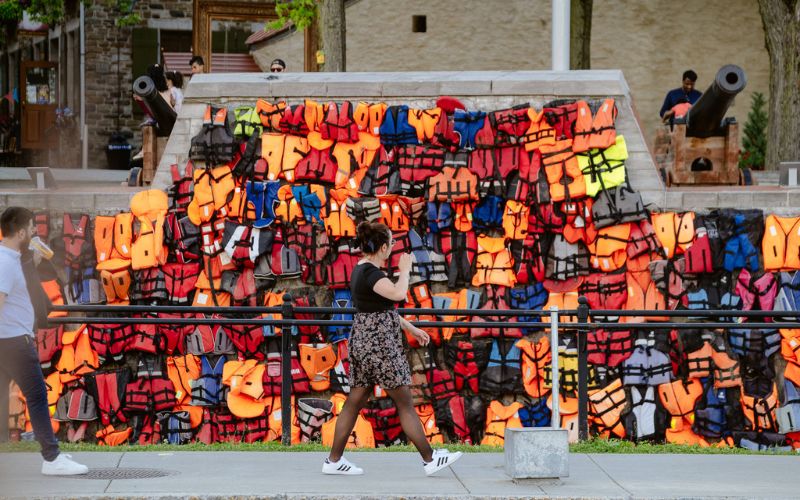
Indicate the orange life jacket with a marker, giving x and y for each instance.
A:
(182, 370)
(270, 114)
(113, 237)
(643, 294)
(498, 419)
(515, 220)
(494, 263)
(564, 301)
(77, 357)
(425, 121)
(246, 381)
(680, 432)
(674, 231)
(317, 360)
(314, 114)
(607, 405)
(781, 243)
(116, 283)
(109, 436)
(597, 132)
(760, 411)
(568, 409)
(535, 356)
(362, 435)
(539, 133)
(562, 170)
(790, 351)
(609, 248)
(213, 188)
(337, 222)
(679, 397)
(150, 209)
(394, 212)
(454, 184)
(368, 117)
(276, 421)
(428, 419)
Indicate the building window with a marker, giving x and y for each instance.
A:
(419, 24)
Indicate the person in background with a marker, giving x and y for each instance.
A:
(685, 92)
(277, 66)
(198, 65)
(19, 359)
(376, 351)
(175, 84)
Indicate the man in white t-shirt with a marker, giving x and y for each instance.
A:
(19, 359)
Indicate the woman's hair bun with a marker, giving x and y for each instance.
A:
(371, 236)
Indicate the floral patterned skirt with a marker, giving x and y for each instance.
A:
(376, 351)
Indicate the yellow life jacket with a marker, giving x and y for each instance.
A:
(604, 168)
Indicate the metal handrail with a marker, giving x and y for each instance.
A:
(288, 319)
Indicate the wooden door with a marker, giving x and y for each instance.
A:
(38, 98)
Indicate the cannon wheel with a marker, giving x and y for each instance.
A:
(135, 177)
(745, 177)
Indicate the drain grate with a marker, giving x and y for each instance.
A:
(109, 473)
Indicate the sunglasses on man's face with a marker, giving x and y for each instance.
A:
(276, 69)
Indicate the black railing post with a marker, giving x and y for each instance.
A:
(5, 402)
(583, 371)
(287, 312)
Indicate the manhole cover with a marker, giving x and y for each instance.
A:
(126, 473)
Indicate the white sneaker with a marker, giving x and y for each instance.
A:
(63, 465)
(441, 459)
(343, 466)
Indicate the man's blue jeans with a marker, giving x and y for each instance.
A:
(20, 361)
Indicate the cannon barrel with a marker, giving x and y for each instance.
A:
(161, 110)
(705, 117)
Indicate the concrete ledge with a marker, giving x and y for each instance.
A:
(536, 453)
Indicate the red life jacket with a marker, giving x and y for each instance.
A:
(109, 340)
(529, 256)
(149, 395)
(338, 124)
(293, 121)
(341, 268)
(416, 164)
(246, 338)
(180, 280)
(385, 424)
(180, 193)
(75, 234)
(48, 343)
(317, 166)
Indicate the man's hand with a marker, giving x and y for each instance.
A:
(667, 115)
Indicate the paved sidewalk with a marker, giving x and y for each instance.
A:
(400, 475)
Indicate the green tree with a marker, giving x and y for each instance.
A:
(754, 142)
(330, 18)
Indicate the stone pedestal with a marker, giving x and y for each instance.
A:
(536, 453)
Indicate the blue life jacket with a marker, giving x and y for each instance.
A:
(503, 374)
(710, 415)
(342, 299)
(395, 129)
(488, 214)
(82, 287)
(535, 414)
(179, 427)
(440, 215)
(207, 390)
(466, 124)
(739, 250)
(754, 342)
(264, 198)
(788, 298)
(788, 415)
(533, 297)
(309, 202)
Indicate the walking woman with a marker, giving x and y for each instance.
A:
(376, 351)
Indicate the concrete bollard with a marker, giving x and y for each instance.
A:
(536, 452)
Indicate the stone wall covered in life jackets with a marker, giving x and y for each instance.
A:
(520, 207)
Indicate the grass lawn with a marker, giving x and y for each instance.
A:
(591, 446)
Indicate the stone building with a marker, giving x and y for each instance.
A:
(114, 57)
(652, 41)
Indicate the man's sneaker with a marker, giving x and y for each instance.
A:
(63, 465)
(441, 459)
(343, 466)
